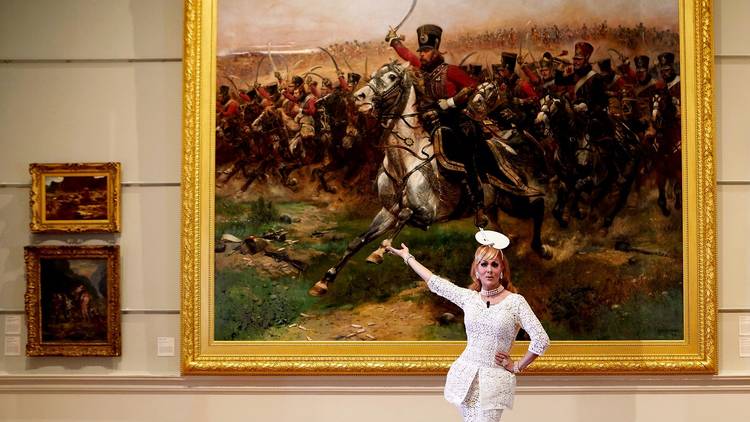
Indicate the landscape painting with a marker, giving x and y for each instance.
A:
(75, 197)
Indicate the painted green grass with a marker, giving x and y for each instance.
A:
(643, 316)
(242, 219)
(572, 307)
(248, 304)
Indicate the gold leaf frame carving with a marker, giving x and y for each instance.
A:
(39, 221)
(696, 353)
(35, 346)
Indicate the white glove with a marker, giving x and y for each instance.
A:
(446, 104)
(580, 108)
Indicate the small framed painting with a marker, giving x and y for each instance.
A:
(73, 300)
(77, 197)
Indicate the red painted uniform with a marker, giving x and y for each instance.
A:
(436, 86)
(230, 109)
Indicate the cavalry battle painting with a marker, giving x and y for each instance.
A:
(347, 125)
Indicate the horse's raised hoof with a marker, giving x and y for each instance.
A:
(375, 257)
(318, 289)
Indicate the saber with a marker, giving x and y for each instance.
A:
(466, 57)
(332, 59)
(347, 64)
(243, 81)
(619, 55)
(231, 81)
(270, 57)
(411, 9)
(313, 69)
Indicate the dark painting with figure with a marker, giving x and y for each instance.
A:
(343, 127)
(75, 197)
(73, 300)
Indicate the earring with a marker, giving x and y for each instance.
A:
(477, 274)
(501, 275)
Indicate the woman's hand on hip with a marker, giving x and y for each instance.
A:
(503, 359)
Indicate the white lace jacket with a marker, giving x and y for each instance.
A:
(487, 331)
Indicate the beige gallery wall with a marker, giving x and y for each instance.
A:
(119, 99)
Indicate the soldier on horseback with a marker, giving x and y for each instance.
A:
(443, 91)
(586, 90)
(670, 78)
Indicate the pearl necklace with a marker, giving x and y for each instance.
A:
(493, 292)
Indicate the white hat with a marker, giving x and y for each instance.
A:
(495, 239)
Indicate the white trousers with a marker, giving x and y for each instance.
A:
(470, 409)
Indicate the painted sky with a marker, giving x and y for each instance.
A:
(250, 24)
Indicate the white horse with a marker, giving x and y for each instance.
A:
(411, 189)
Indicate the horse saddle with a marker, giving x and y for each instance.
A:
(493, 165)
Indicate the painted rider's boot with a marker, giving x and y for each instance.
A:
(476, 196)
(480, 217)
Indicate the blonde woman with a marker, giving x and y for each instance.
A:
(481, 382)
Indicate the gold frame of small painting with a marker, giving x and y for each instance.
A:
(75, 198)
(73, 300)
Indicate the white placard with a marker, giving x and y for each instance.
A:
(13, 324)
(745, 325)
(165, 346)
(12, 346)
(745, 347)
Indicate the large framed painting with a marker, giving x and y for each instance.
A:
(317, 133)
(75, 197)
(73, 300)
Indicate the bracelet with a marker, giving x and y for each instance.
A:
(516, 368)
(406, 260)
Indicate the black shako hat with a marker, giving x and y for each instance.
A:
(475, 70)
(508, 60)
(546, 62)
(666, 60)
(353, 78)
(641, 62)
(428, 37)
(583, 50)
(605, 65)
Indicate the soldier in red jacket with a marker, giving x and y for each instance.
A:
(442, 94)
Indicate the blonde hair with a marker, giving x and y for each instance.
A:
(488, 253)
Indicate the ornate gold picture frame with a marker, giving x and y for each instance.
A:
(73, 300)
(75, 197)
(202, 353)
